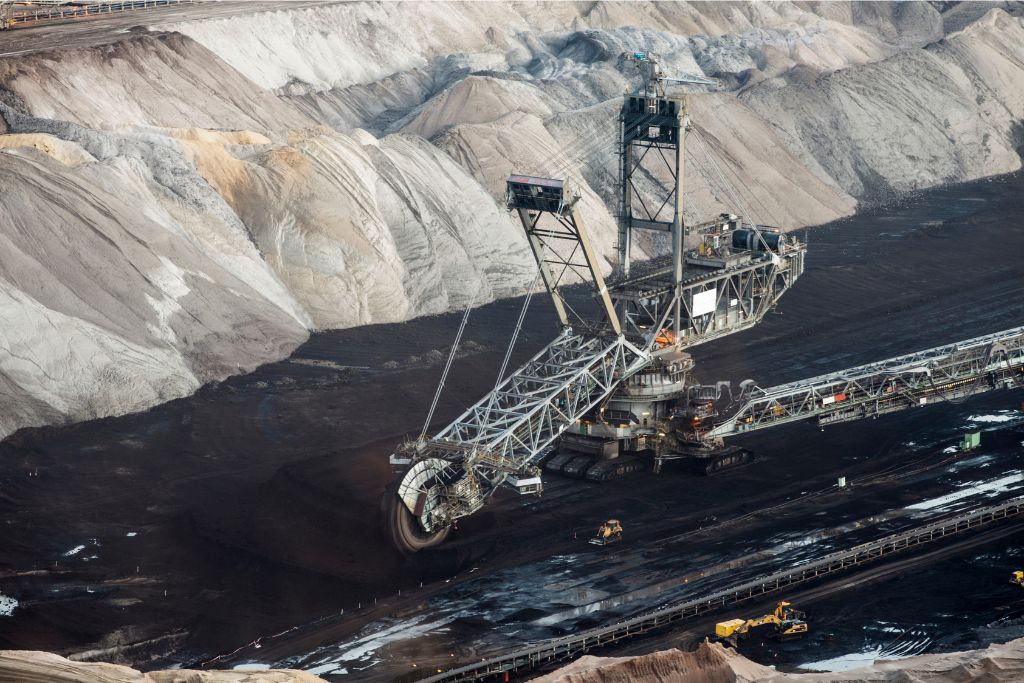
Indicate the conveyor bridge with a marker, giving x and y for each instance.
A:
(18, 13)
(944, 373)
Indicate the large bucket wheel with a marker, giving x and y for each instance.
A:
(403, 528)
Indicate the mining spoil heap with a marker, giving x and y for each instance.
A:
(713, 663)
(288, 171)
(251, 221)
(709, 663)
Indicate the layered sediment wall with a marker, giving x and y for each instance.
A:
(187, 202)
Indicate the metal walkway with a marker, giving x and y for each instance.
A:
(571, 646)
(17, 13)
(496, 439)
(944, 373)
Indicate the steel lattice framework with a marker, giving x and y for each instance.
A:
(942, 373)
(738, 297)
(495, 441)
(551, 391)
(642, 318)
(451, 475)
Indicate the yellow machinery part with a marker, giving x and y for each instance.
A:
(727, 629)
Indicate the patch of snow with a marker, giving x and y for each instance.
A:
(74, 551)
(951, 449)
(845, 662)
(1003, 416)
(362, 648)
(977, 461)
(995, 486)
(251, 666)
(7, 606)
(329, 668)
(132, 534)
(170, 279)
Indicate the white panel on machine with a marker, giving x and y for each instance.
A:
(704, 302)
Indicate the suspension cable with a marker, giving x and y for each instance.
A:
(515, 333)
(447, 367)
(705, 148)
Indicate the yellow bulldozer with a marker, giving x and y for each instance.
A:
(1017, 578)
(787, 621)
(609, 532)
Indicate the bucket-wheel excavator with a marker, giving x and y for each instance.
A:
(620, 382)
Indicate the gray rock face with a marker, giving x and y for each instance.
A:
(118, 292)
(180, 205)
(156, 80)
(945, 113)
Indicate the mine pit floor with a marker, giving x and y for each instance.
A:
(251, 508)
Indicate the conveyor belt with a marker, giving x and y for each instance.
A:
(571, 646)
(945, 373)
(25, 13)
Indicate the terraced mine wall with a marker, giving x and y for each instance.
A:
(213, 187)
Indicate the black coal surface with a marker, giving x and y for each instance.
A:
(253, 506)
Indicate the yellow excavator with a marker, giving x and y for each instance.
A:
(609, 532)
(788, 623)
(1017, 579)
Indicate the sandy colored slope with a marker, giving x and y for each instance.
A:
(364, 230)
(947, 113)
(119, 292)
(160, 80)
(177, 200)
(713, 663)
(21, 666)
(369, 41)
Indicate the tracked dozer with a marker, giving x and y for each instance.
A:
(608, 533)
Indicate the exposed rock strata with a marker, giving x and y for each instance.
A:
(946, 113)
(184, 204)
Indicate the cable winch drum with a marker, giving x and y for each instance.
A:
(747, 239)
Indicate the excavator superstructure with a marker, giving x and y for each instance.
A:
(617, 379)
